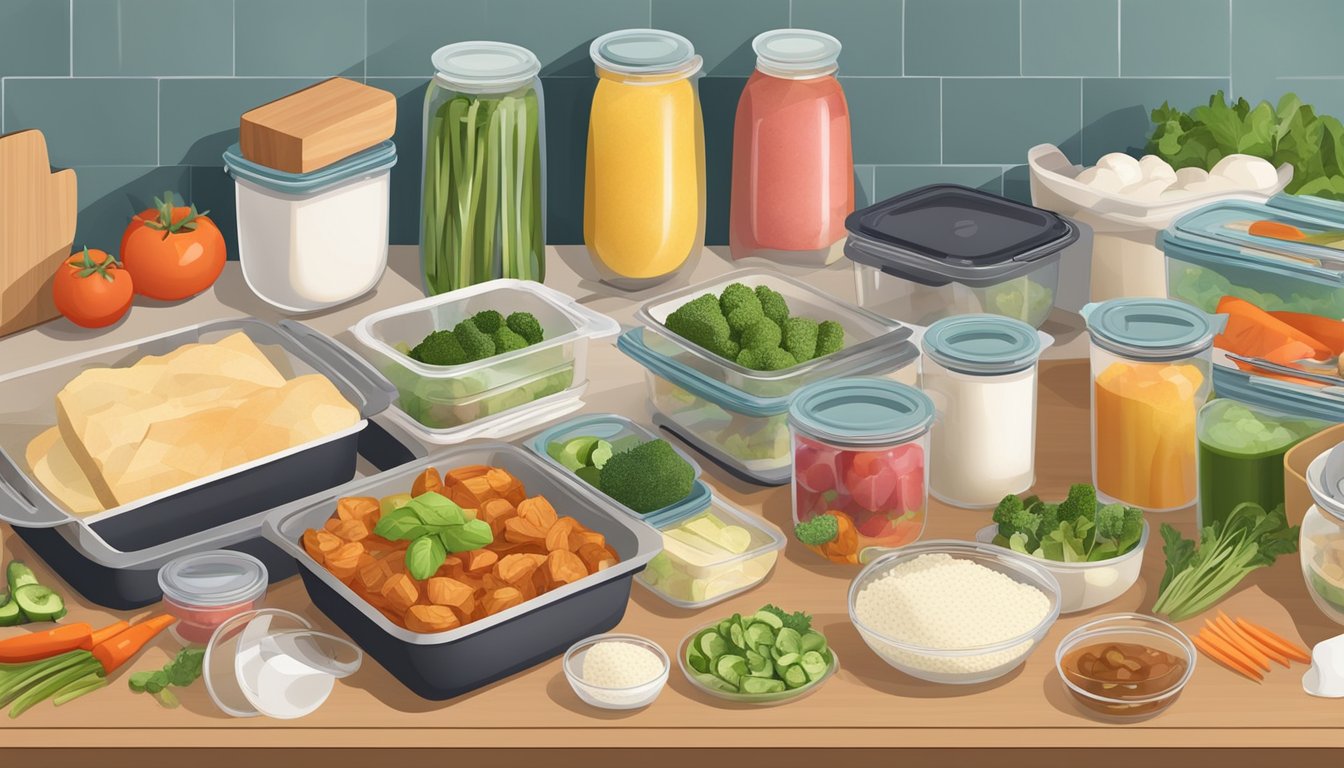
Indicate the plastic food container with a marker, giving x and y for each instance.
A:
(1210, 254)
(483, 219)
(711, 554)
(1151, 362)
(1139, 630)
(980, 372)
(446, 664)
(631, 697)
(1296, 495)
(1321, 542)
(206, 589)
(644, 189)
(793, 167)
(308, 241)
(444, 403)
(960, 666)
(273, 663)
(860, 454)
(1083, 586)
(757, 699)
(946, 250)
(1127, 258)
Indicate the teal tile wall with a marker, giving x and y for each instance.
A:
(143, 95)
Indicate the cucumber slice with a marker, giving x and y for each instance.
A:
(713, 645)
(766, 617)
(813, 664)
(731, 668)
(698, 663)
(759, 685)
(600, 453)
(788, 660)
(39, 603)
(789, 641)
(19, 575)
(813, 641)
(714, 683)
(589, 475)
(10, 615)
(737, 636)
(795, 677)
(760, 634)
(766, 670)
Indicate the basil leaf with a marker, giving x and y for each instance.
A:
(400, 525)
(424, 557)
(474, 534)
(436, 510)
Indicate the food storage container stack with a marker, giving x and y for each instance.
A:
(644, 189)
(1127, 252)
(946, 250)
(1321, 541)
(860, 456)
(1284, 254)
(497, 396)
(739, 416)
(980, 372)
(793, 167)
(483, 202)
(1151, 362)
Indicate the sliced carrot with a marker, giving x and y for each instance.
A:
(1326, 330)
(1229, 625)
(125, 645)
(1253, 332)
(1278, 643)
(1229, 650)
(1276, 230)
(1235, 640)
(101, 636)
(45, 644)
(1217, 655)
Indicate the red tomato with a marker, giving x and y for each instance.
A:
(172, 252)
(92, 290)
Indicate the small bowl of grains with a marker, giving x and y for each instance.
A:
(954, 612)
(616, 671)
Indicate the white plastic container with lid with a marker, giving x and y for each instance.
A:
(1321, 542)
(980, 372)
(206, 589)
(309, 241)
(1086, 585)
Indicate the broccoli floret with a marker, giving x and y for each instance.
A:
(744, 317)
(1013, 516)
(730, 349)
(475, 344)
(1049, 514)
(773, 304)
(1118, 529)
(818, 531)
(1081, 504)
(737, 296)
(439, 348)
(507, 340)
(700, 322)
(647, 477)
(830, 337)
(762, 335)
(749, 358)
(776, 360)
(525, 324)
(799, 338)
(488, 320)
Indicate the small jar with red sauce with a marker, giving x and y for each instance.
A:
(860, 448)
(205, 589)
(793, 166)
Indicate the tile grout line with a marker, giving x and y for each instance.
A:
(72, 38)
(903, 45)
(233, 39)
(366, 42)
(158, 121)
(1230, 92)
(942, 120)
(1119, 39)
(1019, 38)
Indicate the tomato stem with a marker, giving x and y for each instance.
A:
(163, 222)
(88, 267)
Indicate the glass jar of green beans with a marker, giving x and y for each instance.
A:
(482, 204)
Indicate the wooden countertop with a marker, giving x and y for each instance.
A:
(867, 706)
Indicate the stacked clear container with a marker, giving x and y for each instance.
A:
(1151, 361)
(860, 455)
(1321, 542)
(980, 372)
(482, 205)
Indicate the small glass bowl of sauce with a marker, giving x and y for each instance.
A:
(1125, 666)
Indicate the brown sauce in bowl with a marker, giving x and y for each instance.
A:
(1123, 673)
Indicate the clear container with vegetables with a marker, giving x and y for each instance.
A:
(1321, 541)
(1150, 361)
(483, 204)
(644, 189)
(860, 465)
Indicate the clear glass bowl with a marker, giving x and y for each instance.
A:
(1088, 585)
(762, 699)
(1128, 628)
(633, 697)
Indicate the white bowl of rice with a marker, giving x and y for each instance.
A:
(617, 671)
(954, 612)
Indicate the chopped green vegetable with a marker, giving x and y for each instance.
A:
(767, 652)
(647, 477)
(484, 334)
(525, 324)
(1075, 530)
(753, 328)
(27, 600)
(488, 321)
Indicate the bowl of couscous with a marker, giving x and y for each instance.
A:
(954, 612)
(617, 671)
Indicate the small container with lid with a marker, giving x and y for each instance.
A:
(1151, 361)
(309, 241)
(644, 189)
(793, 167)
(206, 589)
(946, 250)
(482, 205)
(980, 372)
(860, 448)
(1321, 542)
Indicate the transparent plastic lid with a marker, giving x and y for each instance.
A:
(484, 65)
(215, 578)
(861, 411)
(1289, 233)
(1150, 328)
(983, 344)
(793, 53)
(644, 52)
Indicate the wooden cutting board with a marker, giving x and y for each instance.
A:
(37, 227)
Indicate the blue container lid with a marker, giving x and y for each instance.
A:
(1157, 329)
(376, 158)
(861, 411)
(983, 344)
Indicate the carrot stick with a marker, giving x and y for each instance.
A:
(1217, 655)
(125, 645)
(1283, 646)
(1276, 230)
(1228, 625)
(1234, 639)
(101, 636)
(44, 645)
(1217, 640)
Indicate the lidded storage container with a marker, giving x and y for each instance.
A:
(980, 372)
(1321, 541)
(482, 204)
(206, 589)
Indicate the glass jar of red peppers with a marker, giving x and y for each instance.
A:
(860, 474)
(793, 166)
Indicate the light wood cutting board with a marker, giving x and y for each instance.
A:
(37, 228)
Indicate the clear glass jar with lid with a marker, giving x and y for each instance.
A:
(1321, 542)
(644, 190)
(483, 205)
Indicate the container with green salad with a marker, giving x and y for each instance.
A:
(482, 206)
